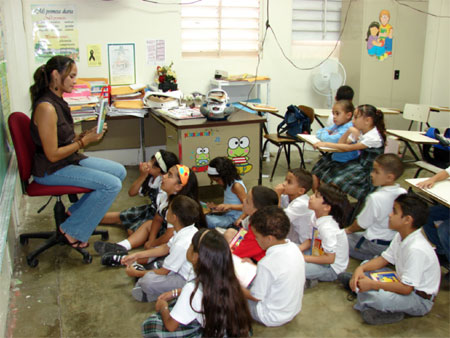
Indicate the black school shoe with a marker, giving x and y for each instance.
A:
(376, 317)
(344, 278)
(112, 259)
(104, 247)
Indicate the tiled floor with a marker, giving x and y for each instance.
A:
(63, 297)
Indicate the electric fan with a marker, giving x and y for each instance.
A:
(327, 78)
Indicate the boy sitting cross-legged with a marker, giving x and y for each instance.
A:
(374, 217)
(183, 213)
(276, 293)
(416, 268)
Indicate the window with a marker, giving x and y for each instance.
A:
(316, 20)
(220, 28)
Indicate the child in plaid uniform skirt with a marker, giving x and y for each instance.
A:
(367, 136)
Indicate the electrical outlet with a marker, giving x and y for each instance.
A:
(396, 74)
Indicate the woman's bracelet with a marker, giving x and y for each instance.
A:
(81, 143)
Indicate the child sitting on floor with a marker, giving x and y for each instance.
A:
(257, 198)
(294, 201)
(212, 305)
(342, 120)
(276, 293)
(329, 245)
(416, 268)
(147, 184)
(367, 135)
(179, 180)
(183, 213)
(374, 218)
(222, 171)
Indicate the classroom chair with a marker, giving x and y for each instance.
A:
(284, 143)
(19, 126)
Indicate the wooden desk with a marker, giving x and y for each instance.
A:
(312, 139)
(440, 192)
(197, 141)
(416, 137)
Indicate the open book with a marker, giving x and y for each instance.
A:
(384, 276)
(245, 271)
(101, 115)
(312, 139)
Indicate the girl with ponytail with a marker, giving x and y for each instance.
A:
(57, 160)
(368, 136)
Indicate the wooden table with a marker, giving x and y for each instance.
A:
(197, 141)
(440, 192)
(409, 136)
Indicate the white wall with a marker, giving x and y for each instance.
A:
(436, 69)
(116, 21)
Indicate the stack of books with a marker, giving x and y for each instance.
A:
(82, 103)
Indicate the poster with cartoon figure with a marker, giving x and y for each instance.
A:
(201, 159)
(379, 37)
(238, 151)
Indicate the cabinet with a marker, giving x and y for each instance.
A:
(197, 141)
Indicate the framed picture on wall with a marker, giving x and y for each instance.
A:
(121, 64)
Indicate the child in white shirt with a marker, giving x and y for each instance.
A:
(374, 218)
(328, 242)
(294, 200)
(276, 293)
(416, 266)
(183, 213)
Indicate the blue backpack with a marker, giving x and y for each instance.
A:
(295, 122)
(438, 154)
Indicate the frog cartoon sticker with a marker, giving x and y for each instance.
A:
(238, 150)
(201, 159)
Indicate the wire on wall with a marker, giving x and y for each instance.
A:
(421, 11)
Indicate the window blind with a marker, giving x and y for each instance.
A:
(220, 27)
(316, 20)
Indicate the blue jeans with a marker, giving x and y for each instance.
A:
(322, 272)
(104, 177)
(439, 236)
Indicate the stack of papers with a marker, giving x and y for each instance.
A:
(113, 111)
(181, 113)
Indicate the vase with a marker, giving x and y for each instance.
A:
(166, 86)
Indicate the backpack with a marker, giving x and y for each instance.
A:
(295, 122)
(440, 153)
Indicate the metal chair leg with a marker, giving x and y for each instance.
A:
(276, 162)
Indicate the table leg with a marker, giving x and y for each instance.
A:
(142, 138)
(318, 121)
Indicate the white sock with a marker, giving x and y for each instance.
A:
(126, 244)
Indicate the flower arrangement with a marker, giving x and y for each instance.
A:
(166, 78)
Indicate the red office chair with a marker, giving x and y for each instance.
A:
(19, 126)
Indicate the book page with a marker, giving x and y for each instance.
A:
(245, 271)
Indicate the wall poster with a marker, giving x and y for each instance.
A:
(54, 32)
(121, 64)
(379, 36)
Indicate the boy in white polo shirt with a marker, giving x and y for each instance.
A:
(416, 267)
(294, 200)
(276, 293)
(183, 213)
(374, 218)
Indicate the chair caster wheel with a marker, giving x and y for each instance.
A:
(33, 262)
(23, 240)
(105, 236)
(87, 258)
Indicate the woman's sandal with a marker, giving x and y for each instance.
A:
(76, 245)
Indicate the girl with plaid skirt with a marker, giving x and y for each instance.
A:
(368, 136)
(147, 184)
(342, 113)
(211, 305)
